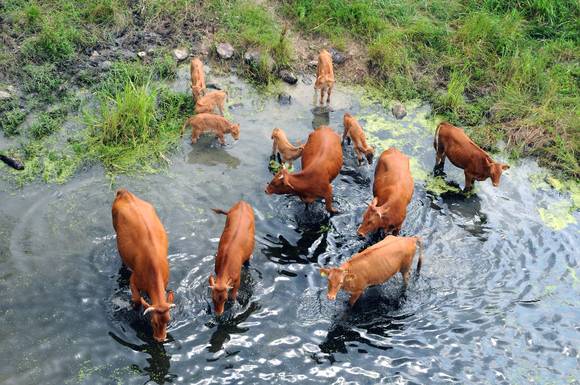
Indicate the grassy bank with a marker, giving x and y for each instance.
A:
(506, 70)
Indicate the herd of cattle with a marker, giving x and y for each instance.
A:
(142, 241)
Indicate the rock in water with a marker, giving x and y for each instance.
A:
(313, 63)
(15, 164)
(252, 56)
(180, 53)
(284, 98)
(288, 77)
(337, 57)
(225, 50)
(142, 54)
(399, 111)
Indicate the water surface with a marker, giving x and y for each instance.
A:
(496, 302)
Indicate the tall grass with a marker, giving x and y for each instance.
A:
(505, 69)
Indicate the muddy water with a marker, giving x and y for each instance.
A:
(496, 303)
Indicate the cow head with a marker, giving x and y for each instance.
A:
(275, 133)
(235, 130)
(372, 218)
(219, 294)
(495, 172)
(370, 151)
(336, 278)
(160, 317)
(280, 184)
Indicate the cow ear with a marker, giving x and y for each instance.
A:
(211, 281)
(324, 272)
(170, 297)
(505, 166)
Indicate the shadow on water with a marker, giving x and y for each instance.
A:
(228, 327)
(369, 314)
(159, 361)
(309, 242)
(209, 152)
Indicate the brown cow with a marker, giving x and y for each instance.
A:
(321, 163)
(324, 76)
(452, 142)
(392, 190)
(374, 266)
(209, 102)
(353, 130)
(287, 153)
(235, 248)
(205, 122)
(197, 78)
(142, 244)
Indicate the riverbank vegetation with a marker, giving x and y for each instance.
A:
(506, 70)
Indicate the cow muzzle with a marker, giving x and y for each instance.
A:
(331, 297)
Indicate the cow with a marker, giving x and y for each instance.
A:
(216, 124)
(392, 191)
(374, 266)
(324, 76)
(353, 131)
(281, 146)
(235, 249)
(142, 244)
(209, 102)
(197, 78)
(321, 163)
(452, 142)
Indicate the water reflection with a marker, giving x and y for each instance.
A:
(207, 151)
(228, 327)
(159, 360)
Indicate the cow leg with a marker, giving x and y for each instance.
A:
(328, 92)
(279, 158)
(234, 291)
(354, 297)
(322, 89)
(358, 155)
(439, 163)
(135, 294)
(328, 201)
(468, 182)
(406, 275)
(221, 139)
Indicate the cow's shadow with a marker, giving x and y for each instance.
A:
(370, 313)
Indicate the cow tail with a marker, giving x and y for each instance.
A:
(220, 211)
(436, 138)
(183, 128)
(420, 261)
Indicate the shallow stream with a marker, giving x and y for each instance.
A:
(497, 301)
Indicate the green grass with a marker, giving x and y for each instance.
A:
(503, 69)
(46, 124)
(248, 25)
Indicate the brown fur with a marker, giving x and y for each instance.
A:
(216, 124)
(235, 248)
(452, 142)
(392, 190)
(197, 78)
(281, 145)
(353, 131)
(373, 266)
(321, 163)
(142, 244)
(209, 102)
(324, 76)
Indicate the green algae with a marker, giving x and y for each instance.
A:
(417, 170)
(557, 215)
(438, 186)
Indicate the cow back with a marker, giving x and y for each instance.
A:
(393, 178)
(237, 241)
(322, 153)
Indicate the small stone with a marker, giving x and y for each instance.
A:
(252, 56)
(180, 54)
(288, 77)
(151, 51)
(142, 54)
(399, 111)
(313, 64)
(214, 86)
(95, 54)
(106, 65)
(337, 56)
(284, 98)
(4, 95)
(225, 50)
(235, 106)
